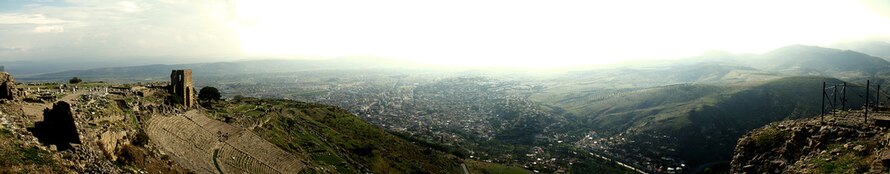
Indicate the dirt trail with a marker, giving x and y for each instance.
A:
(35, 110)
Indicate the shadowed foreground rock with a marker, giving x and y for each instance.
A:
(57, 127)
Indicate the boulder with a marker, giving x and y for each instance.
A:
(112, 142)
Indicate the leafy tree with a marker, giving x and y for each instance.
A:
(74, 80)
(209, 93)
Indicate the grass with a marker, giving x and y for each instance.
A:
(18, 158)
(215, 161)
(492, 168)
(845, 161)
(770, 137)
(331, 138)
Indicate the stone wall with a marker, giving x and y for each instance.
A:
(58, 127)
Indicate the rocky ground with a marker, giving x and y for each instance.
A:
(79, 131)
(842, 143)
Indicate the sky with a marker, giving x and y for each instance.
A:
(520, 33)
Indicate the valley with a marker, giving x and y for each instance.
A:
(664, 117)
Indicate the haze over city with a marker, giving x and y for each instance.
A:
(474, 33)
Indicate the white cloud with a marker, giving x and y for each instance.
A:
(10, 49)
(19, 18)
(98, 29)
(545, 33)
(49, 29)
(491, 32)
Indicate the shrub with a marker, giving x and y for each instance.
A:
(209, 94)
(75, 80)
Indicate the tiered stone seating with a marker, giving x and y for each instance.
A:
(171, 133)
(191, 139)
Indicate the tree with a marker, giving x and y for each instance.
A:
(209, 93)
(74, 80)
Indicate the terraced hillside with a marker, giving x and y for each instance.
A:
(208, 146)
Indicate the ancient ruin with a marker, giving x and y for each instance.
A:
(57, 127)
(205, 145)
(7, 86)
(181, 87)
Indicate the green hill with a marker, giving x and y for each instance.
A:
(696, 123)
(333, 140)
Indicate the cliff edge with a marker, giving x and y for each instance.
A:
(843, 143)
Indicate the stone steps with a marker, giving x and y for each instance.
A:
(191, 138)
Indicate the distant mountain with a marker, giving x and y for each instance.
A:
(874, 48)
(161, 71)
(813, 60)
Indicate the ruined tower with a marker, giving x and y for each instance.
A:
(181, 86)
(7, 86)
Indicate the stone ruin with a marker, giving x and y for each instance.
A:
(57, 127)
(7, 86)
(181, 87)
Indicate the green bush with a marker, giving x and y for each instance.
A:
(75, 80)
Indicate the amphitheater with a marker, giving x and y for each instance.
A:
(205, 145)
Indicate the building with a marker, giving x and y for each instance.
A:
(181, 87)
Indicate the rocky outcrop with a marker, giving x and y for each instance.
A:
(843, 144)
(112, 143)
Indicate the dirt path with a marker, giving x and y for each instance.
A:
(35, 110)
(70, 97)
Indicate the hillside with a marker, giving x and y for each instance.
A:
(136, 129)
(875, 48)
(695, 124)
(329, 137)
(844, 143)
(813, 60)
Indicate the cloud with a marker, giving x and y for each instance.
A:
(18, 18)
(96, 29)
(11, 49)
(49, 29)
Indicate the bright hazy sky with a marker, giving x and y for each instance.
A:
(462, 32)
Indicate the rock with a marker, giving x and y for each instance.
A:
(112, 143)
(835, 151)
(885, 159)
(859, 148)
(811, 143)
